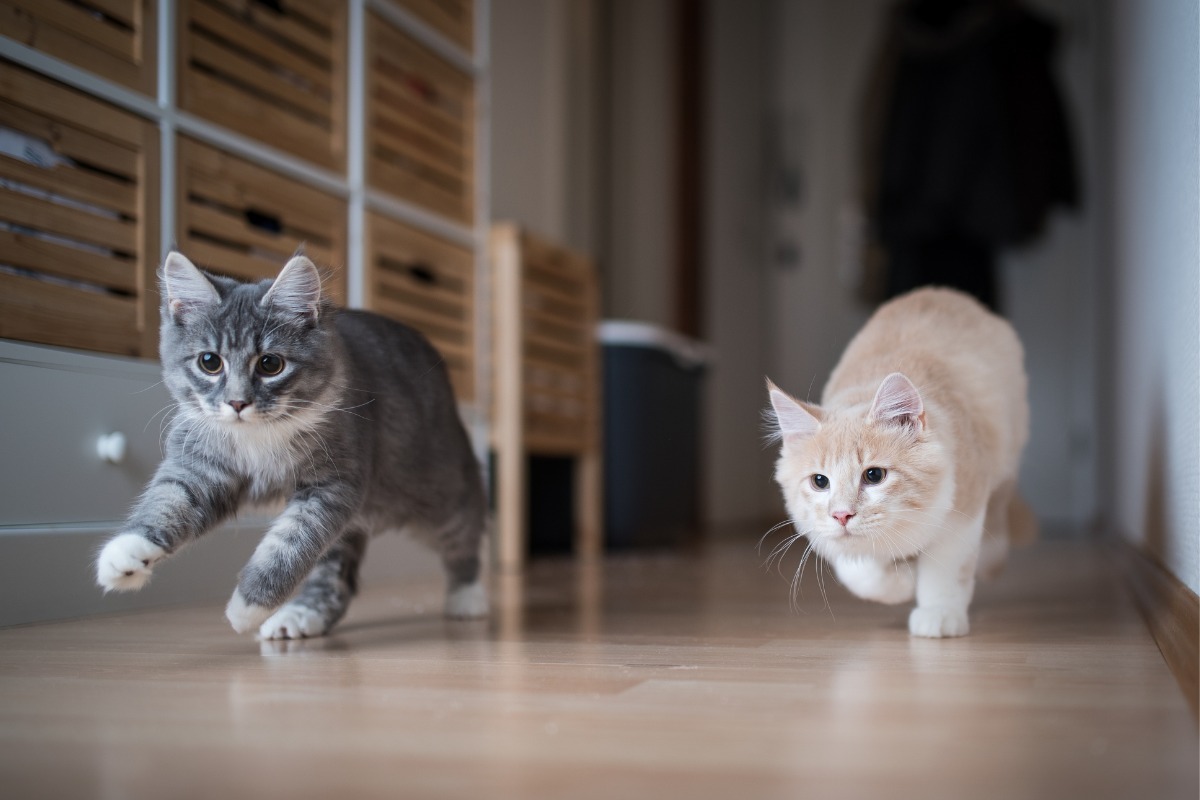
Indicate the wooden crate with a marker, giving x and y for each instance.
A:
(245, 221)
(454, 19)
(274, 71)
(547, 379)
(78, 219)
(115, 39)
(420, 124)
(428, 283)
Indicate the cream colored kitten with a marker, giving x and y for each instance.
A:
(904, 477)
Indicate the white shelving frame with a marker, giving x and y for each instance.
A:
(351, 186)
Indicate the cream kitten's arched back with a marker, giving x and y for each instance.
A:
(904, 477)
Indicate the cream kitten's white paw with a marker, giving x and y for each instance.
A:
(126, 562)
(467, 602)
(244, 616)
(936, 622)
(293, 621)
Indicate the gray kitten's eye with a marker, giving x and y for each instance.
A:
(820, 482)
(270, 364)
(874, 475)
(210, 363)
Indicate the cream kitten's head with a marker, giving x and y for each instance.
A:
(862, 479)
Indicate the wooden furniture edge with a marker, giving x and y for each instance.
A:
(1172, 613)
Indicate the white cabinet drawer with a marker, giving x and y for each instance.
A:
(55, 405)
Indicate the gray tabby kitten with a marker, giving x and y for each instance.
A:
(348, 416)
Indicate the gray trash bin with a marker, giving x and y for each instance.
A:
(653, 380)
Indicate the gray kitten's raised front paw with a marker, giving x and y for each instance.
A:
(126, 562)
(244, 616)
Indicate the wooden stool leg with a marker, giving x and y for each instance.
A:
(589, 508)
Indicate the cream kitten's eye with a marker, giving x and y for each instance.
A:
(820, 482)
(874, 475)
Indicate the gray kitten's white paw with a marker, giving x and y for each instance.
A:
(126, 562)
(244, 616)
(467, 602)
(293, 621)
(936, 622)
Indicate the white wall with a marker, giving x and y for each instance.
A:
(546, 98)
(640, 231)
(822, 50)
(1152, 488)
(738, 485)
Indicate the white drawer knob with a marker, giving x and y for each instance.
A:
(111, 447)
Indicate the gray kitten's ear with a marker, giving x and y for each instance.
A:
(899, 402)
(297, 290)
(794, 421)
(184, 288)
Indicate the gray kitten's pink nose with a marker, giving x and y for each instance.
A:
(843, 516)
(238, 405)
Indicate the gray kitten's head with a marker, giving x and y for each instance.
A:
(245, 354)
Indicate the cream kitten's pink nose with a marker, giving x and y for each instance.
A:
(843, 516)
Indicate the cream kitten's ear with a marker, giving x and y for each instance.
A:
(794, 421)
(898, 401)
(184, 288)
(297, 289)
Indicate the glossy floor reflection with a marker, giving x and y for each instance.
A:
(654, 676)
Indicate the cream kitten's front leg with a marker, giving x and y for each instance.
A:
(946, 582)
(884, 582)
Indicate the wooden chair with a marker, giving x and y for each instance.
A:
(547, 382)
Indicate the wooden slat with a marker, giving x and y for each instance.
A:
(75, 143)
(216, 18)
(282, 26)
(246, 72)
(395, 82)
(401, 52)
(44, 312)
(235, 182)
(44, 215)
(307, 216)
(75, 183)
(137, 73)
(75, 20)
(236, 229)
(453, 19)
(37, 255)
(565, 350)
(456, 326)
(578, 334)
(450, 292)
(227, 261)
(303, 213)
(419, 147)
(394, 103)
(125, 11)
(58, 102)
(248, 115)
(391, 178)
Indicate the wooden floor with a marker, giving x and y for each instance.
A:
(643, 677)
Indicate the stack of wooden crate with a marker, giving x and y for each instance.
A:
(236, 139)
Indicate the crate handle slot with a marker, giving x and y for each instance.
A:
(273, 5)
(422, 273)
(263, 220)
